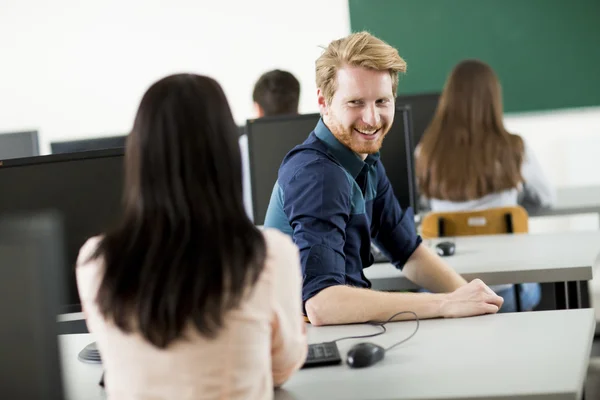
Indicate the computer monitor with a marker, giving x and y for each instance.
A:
(74, 146)
(19, 144)
(269, 140)
(30, 289)
(423, 106)
(397, 156)
(84, 187)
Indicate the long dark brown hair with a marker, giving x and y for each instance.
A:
(466, 153)
(185, 251)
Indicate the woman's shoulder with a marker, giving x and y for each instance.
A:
(88, 271)
(278, 242)
(88, 251)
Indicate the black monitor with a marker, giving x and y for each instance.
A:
(269, 140)
(423, 106)
(19, 144)
(30, 288)
(74, 146)
(397, 156)
(84, 187)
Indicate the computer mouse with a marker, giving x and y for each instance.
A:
(364, 355)
(445, 249)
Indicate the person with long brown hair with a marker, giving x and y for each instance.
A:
(186, 298)
(467, 160)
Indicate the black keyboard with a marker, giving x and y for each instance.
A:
(321, 354)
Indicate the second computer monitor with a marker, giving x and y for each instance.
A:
(269, 140)
(18, 145)
(84, 188)
(423, 106)
(397, 156)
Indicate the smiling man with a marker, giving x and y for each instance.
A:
(333, 197)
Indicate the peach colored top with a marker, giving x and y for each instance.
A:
(262, 343)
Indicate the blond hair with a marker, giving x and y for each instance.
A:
(359, 49)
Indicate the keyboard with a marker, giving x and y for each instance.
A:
(322, 354)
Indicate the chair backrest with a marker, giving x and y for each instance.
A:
(483, 222)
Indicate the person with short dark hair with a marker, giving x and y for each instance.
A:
(185, 296)
(276, 92)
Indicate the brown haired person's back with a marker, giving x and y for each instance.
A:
(467, 160)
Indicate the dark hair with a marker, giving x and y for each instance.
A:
(185, 251)
(277, 92)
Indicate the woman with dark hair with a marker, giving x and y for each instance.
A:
(186, 298)
(467, 160)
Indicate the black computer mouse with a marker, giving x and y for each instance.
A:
(364, 355)
(445, 249)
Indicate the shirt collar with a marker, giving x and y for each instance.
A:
(351, 161)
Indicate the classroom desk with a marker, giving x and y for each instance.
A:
(565, 258)
(572, 200)
(539, 355)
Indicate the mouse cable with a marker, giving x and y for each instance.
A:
(382, 325)
(410, 336)
(364, 336)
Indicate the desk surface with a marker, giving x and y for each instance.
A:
(573, 200)
(522, 355)
(519, 355)
(502, 259)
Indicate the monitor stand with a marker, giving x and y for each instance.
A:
(90, 354)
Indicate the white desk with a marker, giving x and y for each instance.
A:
(517, 355)
(503, 259)
(572, 200)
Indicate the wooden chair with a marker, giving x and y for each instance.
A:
(483, 222)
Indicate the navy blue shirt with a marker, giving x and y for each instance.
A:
(333, 203)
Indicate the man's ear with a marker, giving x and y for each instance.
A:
(258, 110)
(322, 102)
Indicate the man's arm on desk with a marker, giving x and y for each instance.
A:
(344, 305)
(428, 270)
(395, 234)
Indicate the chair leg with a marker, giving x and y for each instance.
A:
(517, 290)
(509, 223)
(441, 227)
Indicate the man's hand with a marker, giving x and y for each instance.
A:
(475, 298)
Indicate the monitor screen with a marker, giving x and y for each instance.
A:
(398, 158)
(30, 256)
(74, 146)
(269, 140)
(19, 144)
(85, 188)
(423, 108)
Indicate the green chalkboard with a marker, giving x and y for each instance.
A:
(546, 52)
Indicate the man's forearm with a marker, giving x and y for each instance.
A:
(345, 305)
(428, 270)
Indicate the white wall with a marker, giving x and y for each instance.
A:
(73, 68)
(567, 144)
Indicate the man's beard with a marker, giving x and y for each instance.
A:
(349, 138)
